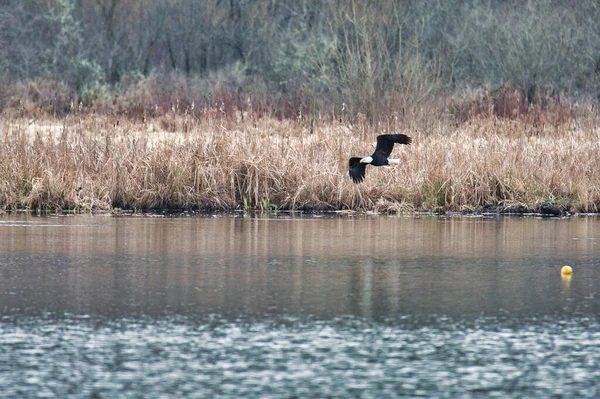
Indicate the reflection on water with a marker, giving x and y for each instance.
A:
(373, 267)
(365, 307)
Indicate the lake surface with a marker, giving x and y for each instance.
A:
(101, 306)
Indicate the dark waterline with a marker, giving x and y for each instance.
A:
(98, 306)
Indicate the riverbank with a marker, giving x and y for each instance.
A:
(101, 162)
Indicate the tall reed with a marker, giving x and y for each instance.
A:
(95, 162)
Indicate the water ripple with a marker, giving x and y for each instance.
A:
(341, 358)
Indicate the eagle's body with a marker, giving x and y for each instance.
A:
(385, 145)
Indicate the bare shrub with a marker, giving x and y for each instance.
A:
(542, 108)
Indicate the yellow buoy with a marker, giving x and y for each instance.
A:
(566, 270)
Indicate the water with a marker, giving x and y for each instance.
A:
(315, 307)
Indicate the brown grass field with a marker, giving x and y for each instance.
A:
(101, 162)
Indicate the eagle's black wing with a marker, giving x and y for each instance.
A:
(385, 143)
(357, 169)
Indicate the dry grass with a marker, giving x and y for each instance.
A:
(101, 162)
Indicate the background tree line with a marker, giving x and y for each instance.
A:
(288, 57)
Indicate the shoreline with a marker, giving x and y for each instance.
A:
(489, 211)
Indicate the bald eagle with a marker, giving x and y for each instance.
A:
(385, 144)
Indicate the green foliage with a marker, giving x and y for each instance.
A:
(68, 57)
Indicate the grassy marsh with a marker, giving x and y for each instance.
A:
(100, 162)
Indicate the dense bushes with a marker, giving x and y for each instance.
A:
(289, 59)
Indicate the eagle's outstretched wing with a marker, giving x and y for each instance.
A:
(385, 143)
(357, 170)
